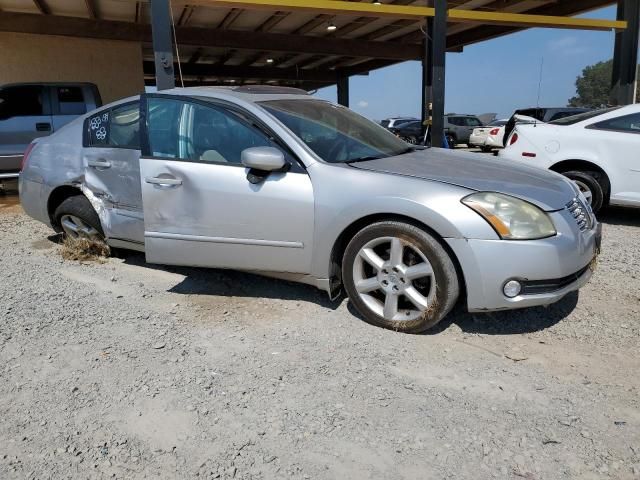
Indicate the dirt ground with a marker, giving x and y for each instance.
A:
(127, 370)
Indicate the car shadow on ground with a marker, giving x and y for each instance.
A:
(231, 283)
(629, 217)
(508, 322)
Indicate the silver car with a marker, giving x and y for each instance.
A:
(272, 180)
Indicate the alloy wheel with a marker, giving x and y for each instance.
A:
(394, 279)
(75, 227)
(586, 191)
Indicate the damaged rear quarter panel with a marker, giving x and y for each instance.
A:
(58, 160)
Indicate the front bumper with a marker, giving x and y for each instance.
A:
(548, 268)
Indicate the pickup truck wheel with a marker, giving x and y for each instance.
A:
(77, 219)
(589, 186)
(399, 277)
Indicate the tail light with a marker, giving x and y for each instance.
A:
(514, 139)
(25, 156)
(494, 131)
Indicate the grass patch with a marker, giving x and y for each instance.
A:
(84, 250)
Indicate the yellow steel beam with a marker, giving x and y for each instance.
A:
(409, 12)
(335, 7)
(526, 20)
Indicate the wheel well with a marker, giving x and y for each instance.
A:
(59, 195)
(340, 245)
(585, 166)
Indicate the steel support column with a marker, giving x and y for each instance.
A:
(625, 56)
(427, 74)
(162, 44)
(343, 90)
(439, 49)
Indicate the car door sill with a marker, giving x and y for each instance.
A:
(127, 244)
(235, 241)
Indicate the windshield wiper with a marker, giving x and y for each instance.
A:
(378, 157)
(365, 159)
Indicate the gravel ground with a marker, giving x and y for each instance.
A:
(127, 370)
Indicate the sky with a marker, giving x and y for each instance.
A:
(498, 75)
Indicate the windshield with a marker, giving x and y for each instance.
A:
(582, 116)
(334, 133)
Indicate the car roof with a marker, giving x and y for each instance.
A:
(248, 93)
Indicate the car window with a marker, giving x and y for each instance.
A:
(22, 101)
(118, 127)
(335, 133)
(559, 115)
(191, 131)
(455, 121)
(626, 123)
(473, 122)
(70, 100)
(575, 118)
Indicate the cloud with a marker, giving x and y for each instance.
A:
(567, 46)
(363, 104)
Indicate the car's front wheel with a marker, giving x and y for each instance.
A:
(399, 277)
(589, 186)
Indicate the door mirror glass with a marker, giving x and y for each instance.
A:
(266, 159)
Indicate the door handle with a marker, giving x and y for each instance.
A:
(164, 182)
(43, 127)
(99, 163)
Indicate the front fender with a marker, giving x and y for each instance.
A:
(341, 202)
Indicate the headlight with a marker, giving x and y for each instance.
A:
(510, 217)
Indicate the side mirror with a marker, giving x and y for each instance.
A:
(263, 159)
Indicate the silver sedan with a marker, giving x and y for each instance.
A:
(272, 180)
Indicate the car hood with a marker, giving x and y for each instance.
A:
(546, 189)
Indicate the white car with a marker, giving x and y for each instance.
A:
(598, 150)
(479, 136)
(495, 137)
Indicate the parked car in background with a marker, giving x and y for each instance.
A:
(33, 110)
(396, 121)
(598, 150)
(270, 179)
(478, 137)
(542, 114)
(458, 128)
(410, 132)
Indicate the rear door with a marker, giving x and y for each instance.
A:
(112, 168)
(25, 114)
(67, 103)
(199, 207)
(617, 141)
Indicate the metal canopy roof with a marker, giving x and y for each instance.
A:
(288, 41)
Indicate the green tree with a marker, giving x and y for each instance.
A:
(593, 87)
